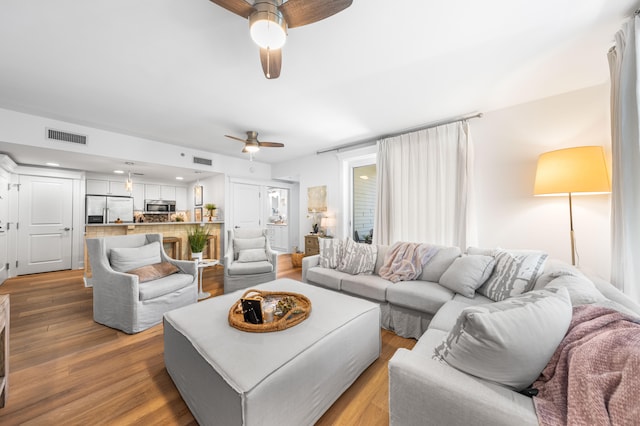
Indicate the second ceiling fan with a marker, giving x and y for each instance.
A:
(252, 144)
(269, 20)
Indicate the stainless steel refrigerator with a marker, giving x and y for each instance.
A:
(104, 209)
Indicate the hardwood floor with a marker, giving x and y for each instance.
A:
(67, 369)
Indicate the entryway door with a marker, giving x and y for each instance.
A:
(45, 224)
(4, 217)
(247, 206)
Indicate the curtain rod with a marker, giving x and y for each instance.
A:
(392, 135)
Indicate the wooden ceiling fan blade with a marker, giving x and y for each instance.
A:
(238, 139)
(303, 12)
(271, 62)
(272, 144)
(239, 7)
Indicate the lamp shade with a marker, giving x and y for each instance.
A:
(572, 170)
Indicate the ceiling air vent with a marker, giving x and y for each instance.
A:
(205, 161)
(58, 135)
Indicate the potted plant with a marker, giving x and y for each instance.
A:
(197, 237)
(211, 208)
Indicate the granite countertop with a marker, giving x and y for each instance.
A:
(153, 223)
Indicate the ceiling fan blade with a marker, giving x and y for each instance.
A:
(271, 144)
(304, 12)
(239, 7)
(238, 139)
(271, 62)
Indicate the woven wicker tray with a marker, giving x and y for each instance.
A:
(298, 314)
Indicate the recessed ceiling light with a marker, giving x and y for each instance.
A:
(53, 164)
(364, 177)
(118, 172)
(179, 178)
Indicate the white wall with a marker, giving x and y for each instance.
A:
(314, 170)
(507, 145)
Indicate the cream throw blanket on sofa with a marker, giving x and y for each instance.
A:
(404, 261)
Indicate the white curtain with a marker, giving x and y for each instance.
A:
(425, 191)
(625, 147)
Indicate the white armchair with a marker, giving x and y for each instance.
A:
(122, 300)
(249, 259)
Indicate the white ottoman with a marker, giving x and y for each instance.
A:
(290, 377)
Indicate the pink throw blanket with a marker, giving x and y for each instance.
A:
(593, 378)
(404, 261)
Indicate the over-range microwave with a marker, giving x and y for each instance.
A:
(159, 206)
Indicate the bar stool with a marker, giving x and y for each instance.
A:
(176, 246)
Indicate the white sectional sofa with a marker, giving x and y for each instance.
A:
(407, 307)
(425, 390)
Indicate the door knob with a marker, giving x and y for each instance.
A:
(65, 229)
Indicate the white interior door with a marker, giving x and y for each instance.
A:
(45, 224)
(4, 216)
(247, 210)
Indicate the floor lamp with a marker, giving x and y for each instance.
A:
(570, 171)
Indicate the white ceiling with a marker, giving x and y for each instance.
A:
(186, 71)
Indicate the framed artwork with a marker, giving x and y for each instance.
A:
(197, 214)
(317, 199)
(197, 195)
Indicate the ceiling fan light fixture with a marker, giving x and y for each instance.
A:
(267, 26)
(251, 148)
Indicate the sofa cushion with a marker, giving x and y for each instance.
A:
(154, 272)
(553, 268)
(423, 296)
(325, 277)
(382, 252)
(369, 286)
(511, 341)
(358, 258)
(439, 263)
(515, 273)
(160, 287)
(240, 244)
(467, 273)
(330, 252)
(447, 315)
(252, 255)
(245, 268)
(581, 290)
(124, 259)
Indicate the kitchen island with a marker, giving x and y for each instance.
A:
(177, 231)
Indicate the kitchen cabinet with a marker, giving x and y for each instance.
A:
(167, 192)
(181, 198)
(278, 237)
(151, 191)
(159, 192)
(106, 187)
(97, 187)
(138, 196)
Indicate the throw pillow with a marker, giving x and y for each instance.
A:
(515, 273)
(240, 244)
(467, 273)
(434, 268)
(508, 342)
(358, 258)
(581, 290)
(330, 252)
(252, 255)
(155, 271)
(127, 258)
